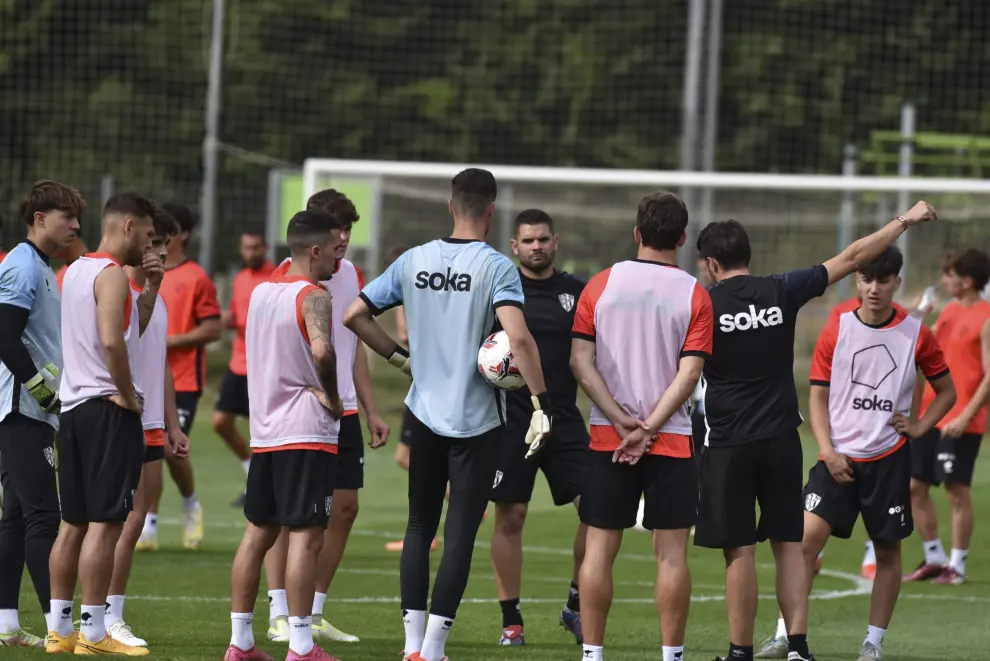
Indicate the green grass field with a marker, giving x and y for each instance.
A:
(179, 599)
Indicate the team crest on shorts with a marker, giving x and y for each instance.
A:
(326, 504)
(498, 479)
(812, 501)
(50, 456)
(566, 301)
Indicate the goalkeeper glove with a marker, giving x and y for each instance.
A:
(42, 387)
(539, 425)
(400, 359)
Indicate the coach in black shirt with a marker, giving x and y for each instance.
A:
(551, 297)
(751, 405)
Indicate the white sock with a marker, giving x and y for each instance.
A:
(301, 634)
(673, 653)
(781, 628)
(150, 524)
(958, 560)
(874, 635)
(9, 623)
(934, 553)
(115, 609)
(246, 465)
(437, 629)
(92, 626)
(415, 623)
(870, 557)
(189, 504)
(319, 598)
(60, 618)
(241, 635)
(592, 653)
(278, 605)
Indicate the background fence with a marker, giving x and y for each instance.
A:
(114, 94)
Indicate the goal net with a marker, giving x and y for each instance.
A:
(793, 220)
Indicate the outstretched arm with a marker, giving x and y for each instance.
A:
(870, 247)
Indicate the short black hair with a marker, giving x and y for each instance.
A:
(533, 217)
(130, 204)
(661, 219)
(47, 195)
(473, 191)
(254, 231)
(727, 242)
(165, 225)
(182, 215)
(889, 263)
(970, 263)
(308, 228)
(336, 204)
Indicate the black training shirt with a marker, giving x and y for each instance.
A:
(549, 311)
(751, 394)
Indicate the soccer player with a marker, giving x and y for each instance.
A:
(193, 322)
(70, 254)
(295, 408)
(232, 401)
(160, 419)
(101, 439)
(642, 332)
(455, 433)
(30, 361)
(862, 382)
(753, 450)
(947, 455)
(354, 385)
(550, 303)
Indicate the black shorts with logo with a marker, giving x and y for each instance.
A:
(350, 454)
(939, 460)
(564, 462)
(233, 395)
(27, 474)
(291, 488)
(100, 455)
(734, 478)
(187, 403)
(880, 491)
(611, 495)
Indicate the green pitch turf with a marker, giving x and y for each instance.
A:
(179, 599)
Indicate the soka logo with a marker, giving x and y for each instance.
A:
(452, 281)
(874, 404)
(752, 319)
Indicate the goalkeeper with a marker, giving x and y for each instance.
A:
(452, 290)
(30, 362)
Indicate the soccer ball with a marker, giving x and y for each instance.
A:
(497, 365)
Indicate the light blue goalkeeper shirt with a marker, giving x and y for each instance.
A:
(27, 281)
(450, 289)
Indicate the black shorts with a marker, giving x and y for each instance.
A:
(233, 395)
(880, 491)
(153, 453)
(290, 488)
(27, 471)
(735, 478)
(350, 454)
(409, 422)
(937, 460)
(699, 431)
(186, 403)
(611, 495)
(100, 455)
(564, 462)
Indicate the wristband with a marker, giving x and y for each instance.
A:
(544, 401)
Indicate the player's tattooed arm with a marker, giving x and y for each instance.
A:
(317, 314)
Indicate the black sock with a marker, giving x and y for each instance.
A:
(511, 613)
(740, 652)
(574, 599)
(798, 642)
